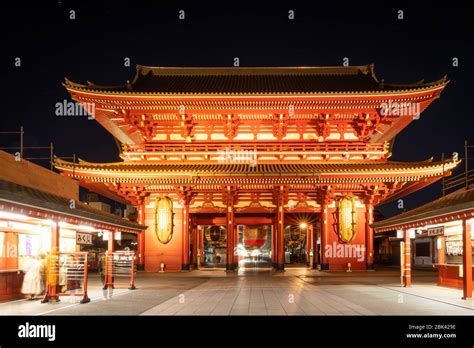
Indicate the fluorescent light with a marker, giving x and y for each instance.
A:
(18, 226)
(85, 228)
(12, 216)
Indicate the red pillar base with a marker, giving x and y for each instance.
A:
(325, 267)
(229, 267)
(280, 267)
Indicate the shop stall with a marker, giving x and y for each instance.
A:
(438, 234)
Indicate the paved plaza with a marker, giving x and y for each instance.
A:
(297, 291)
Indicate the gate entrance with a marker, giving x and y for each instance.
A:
(254, 248)
(214, 246)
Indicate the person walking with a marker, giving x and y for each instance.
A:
(31, 286)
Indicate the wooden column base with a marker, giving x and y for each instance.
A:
(280, 266)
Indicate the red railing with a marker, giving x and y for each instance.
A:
(67, 275)
(119, 269)
(263, 147)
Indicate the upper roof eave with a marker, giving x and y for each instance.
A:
(110, 92)
(143, 72)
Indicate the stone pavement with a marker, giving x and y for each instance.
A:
(297, 291)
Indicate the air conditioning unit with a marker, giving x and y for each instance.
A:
(101, 206)
(92, 197)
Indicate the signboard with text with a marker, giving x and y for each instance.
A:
(83, 238)
(435, 231)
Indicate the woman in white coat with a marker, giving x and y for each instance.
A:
(32, 279)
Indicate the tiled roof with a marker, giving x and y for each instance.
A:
(259, 169)
(24, 195)
(459, 200)
(289, 80)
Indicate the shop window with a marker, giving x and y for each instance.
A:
(28, 245)
(423, 249)
(67, 245)
(453, 250)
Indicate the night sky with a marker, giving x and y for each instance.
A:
(93, 47)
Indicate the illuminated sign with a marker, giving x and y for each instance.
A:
(163, 219)
(347, 221)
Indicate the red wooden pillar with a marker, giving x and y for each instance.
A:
(324, 236)
(466, 261)
(200, 252)
(230, 237)
(141, 250)
(185, 237)
(315, 248)
(274, 245)
(110, 242)
(195, 246)
(52, 272)
(236, 242)
(141, 237)
(309, 244)
(369, 234)
(407, 258)
(440, 241)
(280, 232)
(109, 259)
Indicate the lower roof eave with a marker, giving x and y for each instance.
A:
(425, 219)
(87, 219)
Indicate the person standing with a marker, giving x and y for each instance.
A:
(62, 280)
(32, 280)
